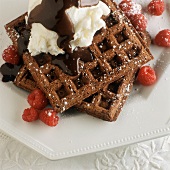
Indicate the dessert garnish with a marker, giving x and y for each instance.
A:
(38, 102)
(163, 38)
(156, 7)
(37, 99)
(130, 7)
(146, 76)
(49, 117)
(30, 114)
(10, 69)
(70, 24)
(139, 21)
(10, 55)
(52, 15)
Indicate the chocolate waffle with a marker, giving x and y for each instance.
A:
(108, 103)
(24, 80)
(15, 28)
(116, 50)
(105, 104)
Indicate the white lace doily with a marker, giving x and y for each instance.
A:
(149, 155)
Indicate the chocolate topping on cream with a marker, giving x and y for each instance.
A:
(51, 14)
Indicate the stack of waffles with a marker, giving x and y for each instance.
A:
(104, 84)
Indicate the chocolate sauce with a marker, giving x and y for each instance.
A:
(70, 63)
(23, 41)
(9, 71)
(73, 63)
(51, 14)
(61, 61)
(42, 59)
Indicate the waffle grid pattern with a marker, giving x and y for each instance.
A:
(107, 103)
(117, 50)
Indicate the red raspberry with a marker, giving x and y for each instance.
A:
(146, 76)
(125, 5)
(37, 99)
(49, 117)
(30, 114)
(139, 21)
(163, 38)
(130, 8)
(156, 7)
(10, 55)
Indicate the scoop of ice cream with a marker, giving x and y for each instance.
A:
(86, 21)
(43, 40)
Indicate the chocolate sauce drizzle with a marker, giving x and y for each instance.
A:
(73, 63)
(51, 14)
(9, 71)
(23, 41)
(66, 62)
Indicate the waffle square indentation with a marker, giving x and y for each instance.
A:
(51, 76)
(97, 72)
(134, 52)
(62, 92)
(104, 46)
(113, 87)
(121, 36)
(105, 102)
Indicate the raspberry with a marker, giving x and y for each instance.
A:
(146, 76)
(125, 5)
(130, 8)
(163, 38)
(37, 99)
(49, 117)
(156, 7)
(30, 114)
(139, 21)
(10, 55)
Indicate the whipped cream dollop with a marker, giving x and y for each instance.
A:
(43, 40)
(86, 21)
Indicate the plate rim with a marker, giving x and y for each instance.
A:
(52, 155)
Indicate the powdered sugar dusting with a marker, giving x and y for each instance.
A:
(136, 8)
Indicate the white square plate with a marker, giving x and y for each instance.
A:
(146, 114)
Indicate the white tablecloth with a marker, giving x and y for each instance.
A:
(149, 155)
